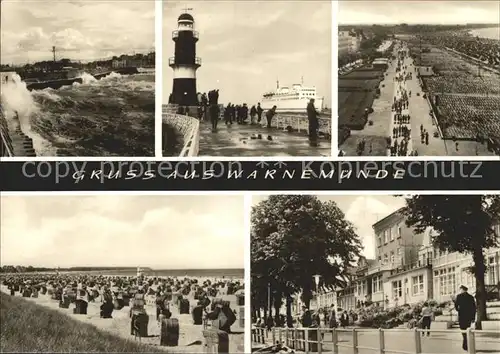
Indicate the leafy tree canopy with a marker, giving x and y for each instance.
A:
(296, 237)
(463, 223)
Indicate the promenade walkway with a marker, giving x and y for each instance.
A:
(396, 341)
(237, 141)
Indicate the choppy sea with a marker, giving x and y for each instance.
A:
(113, 116)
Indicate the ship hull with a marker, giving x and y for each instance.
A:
(296, 106)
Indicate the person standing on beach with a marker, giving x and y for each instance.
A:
(466, 308)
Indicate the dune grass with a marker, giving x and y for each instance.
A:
(28, 327)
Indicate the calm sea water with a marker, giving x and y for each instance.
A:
(492, 32)
(190, 273)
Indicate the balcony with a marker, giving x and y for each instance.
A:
(175, 34)
(407, 267)
(197, 62)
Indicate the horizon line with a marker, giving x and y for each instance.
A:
(126, 267)
(419, 23)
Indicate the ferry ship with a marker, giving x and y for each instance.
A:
(291, 99)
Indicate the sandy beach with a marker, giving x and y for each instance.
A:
(190, 339)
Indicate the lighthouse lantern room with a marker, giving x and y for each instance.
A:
(185, 63)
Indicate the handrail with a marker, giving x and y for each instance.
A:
(6, 146)
(301, 123)
(307, 342)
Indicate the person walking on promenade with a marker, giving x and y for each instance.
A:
(332, 320)
(466, 308)
(306, 318)
(253, 112)
(312, 117)
(344, 319)
(427, 314)
(269, 323)
(259, 112)
(269, 115)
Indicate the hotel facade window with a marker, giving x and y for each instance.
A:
(379, 240)
(386, 236)
(377, 284)
(397, 289)
(386, 258)
(391, 235)
(392, 257)
(417, 285)
(399, 231)
(445, 281)
(492, 271)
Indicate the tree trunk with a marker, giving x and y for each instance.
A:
(479, 270)
(277, 307)
(289, 319)
(306, 298)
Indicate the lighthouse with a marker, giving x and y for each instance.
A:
(185, 63)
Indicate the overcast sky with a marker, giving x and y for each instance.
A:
(82, 30)
(363, 212)
(418, 12)
(162, 232)
(245, 46)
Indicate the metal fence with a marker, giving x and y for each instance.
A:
(312, 339)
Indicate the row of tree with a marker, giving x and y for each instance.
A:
(296, 237)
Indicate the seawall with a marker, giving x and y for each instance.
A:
(56, 84)
(14, 141)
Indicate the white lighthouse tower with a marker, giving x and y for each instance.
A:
(185, 62)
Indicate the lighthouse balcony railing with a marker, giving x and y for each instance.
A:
(172, 61)
(175, 34)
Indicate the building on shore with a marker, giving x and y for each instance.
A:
(348, 43)
(452, 269)
(408, 269)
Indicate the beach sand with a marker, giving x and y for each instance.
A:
(190, 339)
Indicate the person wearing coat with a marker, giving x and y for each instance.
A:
(332, 321)
(306, 319)
(466, 308)
(312, 117)
(344, 319)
